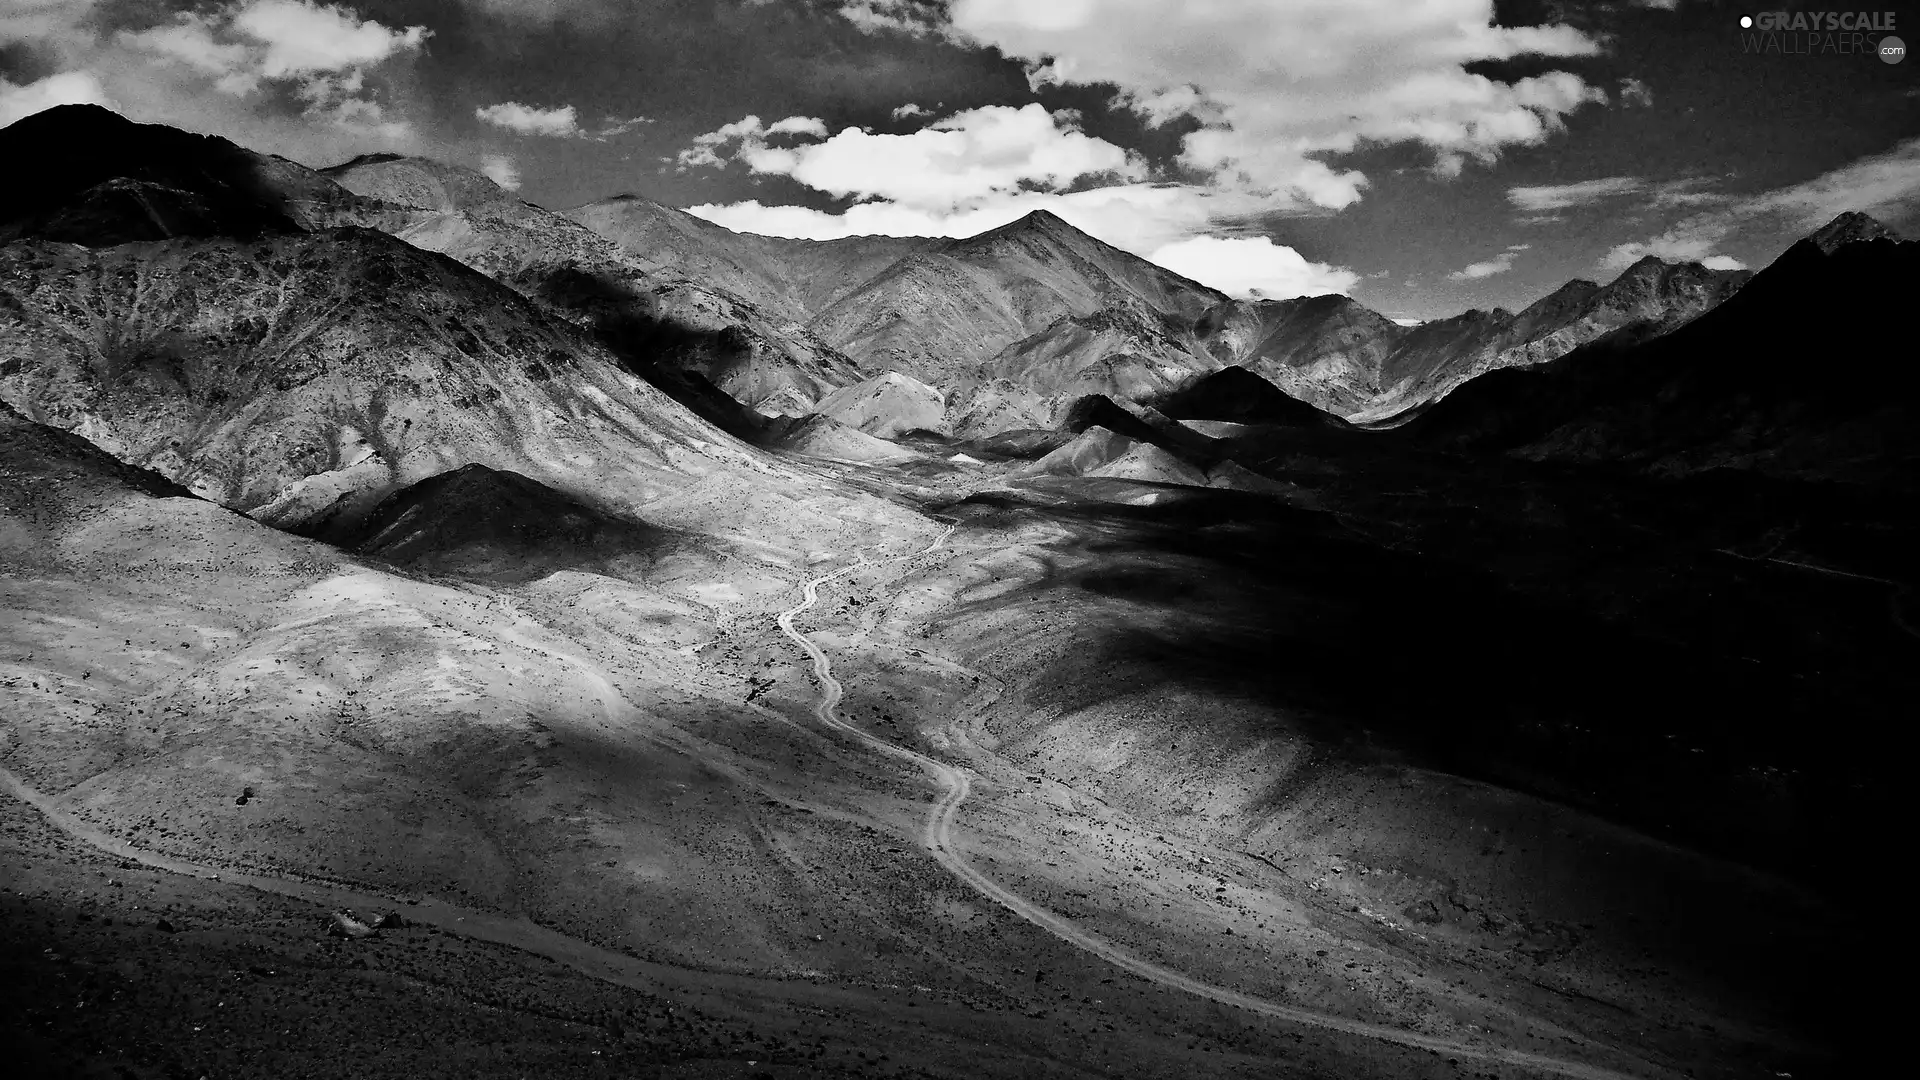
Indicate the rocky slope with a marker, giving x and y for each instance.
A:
(789, 279)
(887, 405)
(653, 314)
(299, 377)
(1010, 325)
(1013, 324)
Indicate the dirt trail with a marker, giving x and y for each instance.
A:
(938, 838)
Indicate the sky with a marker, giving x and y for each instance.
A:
(1422, 156)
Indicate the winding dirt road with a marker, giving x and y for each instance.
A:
(938, 838)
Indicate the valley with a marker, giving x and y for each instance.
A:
(974, 658)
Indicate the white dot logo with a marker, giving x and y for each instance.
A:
(1746, 22)
(1892, 49)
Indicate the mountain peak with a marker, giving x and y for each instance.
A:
(72, 118)
(1849, 227)
(379, 157)
(1037, 223)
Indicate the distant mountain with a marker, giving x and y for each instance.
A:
(663, 323)
(1009, 325)
(1014, 324)
(1804, 373)
(944, 315)
(1328, 350)
(1007, 328)
(790, 279)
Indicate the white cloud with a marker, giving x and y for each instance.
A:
(955, 163)
(66, 88)
(320, 53)
(1635, 92)
(909, 110)
(501, 170)
(747, 137)
(530, 120)
(1499, 264)
(1282, 86)
(875, 16)
(1722, 262)
(1252, 267)
(1561, 196)
(301, 37)
(1885, 185)
(800, 125)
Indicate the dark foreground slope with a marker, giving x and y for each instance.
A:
(99, 179)
(1237, 395)
(475, 519)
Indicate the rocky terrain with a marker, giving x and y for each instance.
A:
(674, 653)
(1012, 325)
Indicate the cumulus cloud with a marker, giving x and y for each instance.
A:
(1885, 185)
(66, 88)
(1634, 92)
(1252, 267)
(501, 170)
(324, 51)
(311, 80)
(910, 110)
(1499, 264)
(1281, 87)
(530, 120)
(318, 56)
(952, 164)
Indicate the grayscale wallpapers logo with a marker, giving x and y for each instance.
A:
(1822, 33)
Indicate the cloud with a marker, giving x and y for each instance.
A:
(880, 16)
(1583, 193)
(1499, 264)
(1722, 262)
(954, 163)
(317, 55)
(909, 110)
(301, 38)
(66, 88)
(1279, 88)
(1884, 185)
(1252, 267)
(312, 81)
(1634, 92)
(323, 49)
(1543, 205)
(530, 120)
(501, 170)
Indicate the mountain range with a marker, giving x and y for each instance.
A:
(728, 655)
